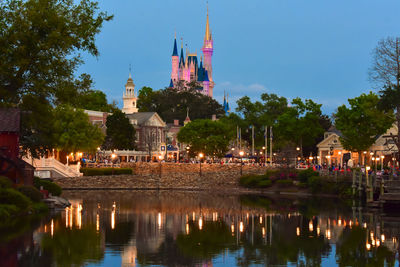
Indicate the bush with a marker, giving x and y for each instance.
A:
(32, 192)
(304, 175)
(284, 183)
(40, 207)
(105, 171)
(6, 211)
(265, 183)
(13, 197)
(315, 183)
(255, 181)
(53, 188)
(5, 182)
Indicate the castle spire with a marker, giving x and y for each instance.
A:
(208, 31)
(175, 51)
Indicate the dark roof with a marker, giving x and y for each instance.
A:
(171, 84)
(333, 129)
(175, 52)
(9, 120)
(141, 117)
(182, 59)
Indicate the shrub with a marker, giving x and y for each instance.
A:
(32, 192)
(105, 171)
(304, 175)
(255, 181)
(284, 183)
(53, 188)
(13, 197)
(40, 207)
(272, 174)
(5, 182)
(6, 211)
(315, 183)
(265, 183)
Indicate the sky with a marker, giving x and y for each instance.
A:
(313, 49)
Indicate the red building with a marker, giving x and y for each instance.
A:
(10, 163)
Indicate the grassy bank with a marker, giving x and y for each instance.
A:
(23, 200)
(293, 180)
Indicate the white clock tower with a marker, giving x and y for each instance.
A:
(129, 98)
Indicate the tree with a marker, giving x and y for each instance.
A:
(260, 114)
(172, 104)
(145, 99)
(72, 131)
(362, 122)
(386, 65)
(120, 133)
(390, 101)
(206, 136)
(301, 123)
(40, 45)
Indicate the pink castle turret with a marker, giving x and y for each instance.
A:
(208, 49)
(175, 65)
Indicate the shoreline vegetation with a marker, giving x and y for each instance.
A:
(292, 180)
(21, 201)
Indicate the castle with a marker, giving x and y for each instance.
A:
(186, 69)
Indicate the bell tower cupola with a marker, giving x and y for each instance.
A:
(130, 101)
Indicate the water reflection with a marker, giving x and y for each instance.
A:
(196, 229)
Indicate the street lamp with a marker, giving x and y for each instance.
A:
(241, 153)
(201, 155)
(371, 154)
(112, 162)
(160, 159)
(382, 157)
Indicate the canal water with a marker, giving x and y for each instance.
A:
(150, 228)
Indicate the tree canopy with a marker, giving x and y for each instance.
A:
(120, 133)
(173, 104)
(300, 124)
(72, 131)
(362, 122)
(40, 46)
(206, 136)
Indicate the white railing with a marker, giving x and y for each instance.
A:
(44, 164)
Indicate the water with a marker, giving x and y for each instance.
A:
(149, 228)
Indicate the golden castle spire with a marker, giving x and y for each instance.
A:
(208, 32)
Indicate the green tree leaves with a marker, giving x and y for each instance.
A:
(72, 131)
(120, 133)
(172, 104)
(40, 46)
(362, 122)
(206, 136)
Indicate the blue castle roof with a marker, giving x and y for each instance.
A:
(182, 59)
(171, 84)
(175, 52)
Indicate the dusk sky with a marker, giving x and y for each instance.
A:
(308, 48)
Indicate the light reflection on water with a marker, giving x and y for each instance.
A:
(110, 228)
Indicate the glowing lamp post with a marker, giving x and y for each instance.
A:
(112, 162)
(241, 153)
(382, 157)
(201, 155)
(265, 155)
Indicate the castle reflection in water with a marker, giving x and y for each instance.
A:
(196, 229)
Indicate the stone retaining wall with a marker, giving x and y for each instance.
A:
(141, 168)
(173, 176)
